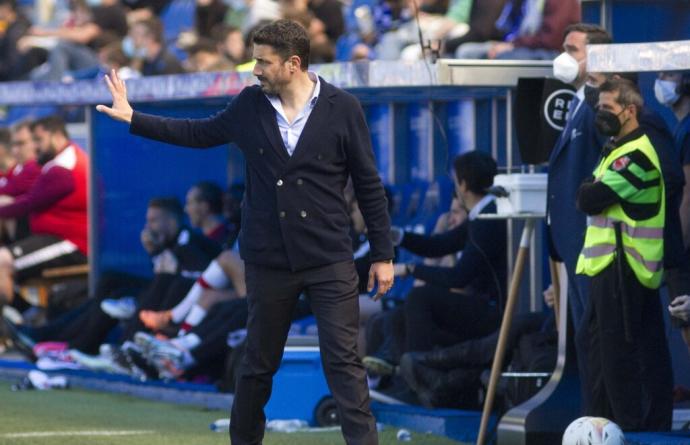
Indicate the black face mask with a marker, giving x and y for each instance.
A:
(607, 123)
(591, 96)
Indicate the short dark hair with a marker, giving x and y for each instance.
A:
(221, 32)
(628, 92)
(168, 204)
(287, 37)
(203, 45)
(154, 27)
(21, 124)
(595, 33)
(477, 169)
(211, 194)
(11, 3)
(53, 124)
(5, 138)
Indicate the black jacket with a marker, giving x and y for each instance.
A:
(294, 214)
(482, 266)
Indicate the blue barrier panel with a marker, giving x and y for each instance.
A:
(129, 170)
(380, 120)
(419, 143)
(460, 123)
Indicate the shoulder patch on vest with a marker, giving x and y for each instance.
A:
(620, 163)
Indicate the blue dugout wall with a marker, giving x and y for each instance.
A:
(417, 126)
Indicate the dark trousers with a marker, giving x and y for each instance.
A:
(630, 379)
(435, 316)
(272, 295)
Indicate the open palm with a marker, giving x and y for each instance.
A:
(120, 110)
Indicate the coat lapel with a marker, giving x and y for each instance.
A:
(316, 124)
(564, 137)
(267, 117)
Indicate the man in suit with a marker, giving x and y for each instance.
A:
(302, 138)
(573, 159)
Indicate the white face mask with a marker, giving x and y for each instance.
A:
(566, 68)
(666, 92)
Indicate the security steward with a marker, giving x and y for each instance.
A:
(623, 255)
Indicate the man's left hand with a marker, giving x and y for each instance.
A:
(380, 273)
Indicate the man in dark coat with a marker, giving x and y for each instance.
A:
(302, 138)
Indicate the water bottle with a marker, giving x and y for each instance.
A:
(220, 426)
(404, 435)
(286, 426)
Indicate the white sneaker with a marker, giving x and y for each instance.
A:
(120, 309)
(63, 361)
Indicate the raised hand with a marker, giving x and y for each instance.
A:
(120, 110)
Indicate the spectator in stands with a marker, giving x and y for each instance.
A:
(204, 56)
(13, 26)
(78, 42)
(112, 57)
(375, 22)
(482, 25)
(19, 179)
(328, 14)
(57, 208)
(138, 10)
(208, 15)
(204, 207)
(321, 49)
(460, 302)
(231, 44)
(146, 45)
(530, 29)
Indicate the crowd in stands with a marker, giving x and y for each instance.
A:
(80, 40)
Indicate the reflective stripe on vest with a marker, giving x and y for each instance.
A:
(643, 240)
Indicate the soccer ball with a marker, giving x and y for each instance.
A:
(593, 431)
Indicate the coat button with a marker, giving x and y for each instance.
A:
(280, 183)
(319, 156)
(299, 181)
(303, 213)
(261, 151)
(282, 214)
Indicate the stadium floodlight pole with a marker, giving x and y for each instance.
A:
(523, 250)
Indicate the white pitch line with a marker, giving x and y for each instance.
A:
(73, 433)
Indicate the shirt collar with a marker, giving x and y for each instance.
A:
(317, 88)
(275, 99)
(477, 209)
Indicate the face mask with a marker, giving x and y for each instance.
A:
(665, 92)
(591, 95)
(94, 3)
(566, 68)
(130, 50)
(607, 123)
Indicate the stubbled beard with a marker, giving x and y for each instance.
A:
(44, 157)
